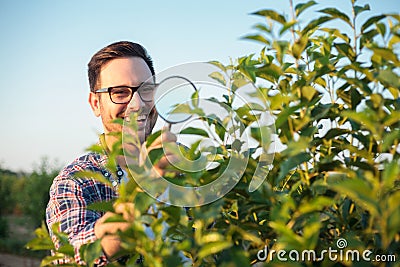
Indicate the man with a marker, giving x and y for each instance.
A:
(116, 74)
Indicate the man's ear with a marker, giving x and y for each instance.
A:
(94, 102)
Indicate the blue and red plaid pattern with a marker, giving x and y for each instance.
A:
(69, 198)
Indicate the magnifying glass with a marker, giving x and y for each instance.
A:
(174, 99)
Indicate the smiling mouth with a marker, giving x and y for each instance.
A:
(140, 118)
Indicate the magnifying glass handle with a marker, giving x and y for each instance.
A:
(169, 126)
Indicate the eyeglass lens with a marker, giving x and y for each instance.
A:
(122, 95)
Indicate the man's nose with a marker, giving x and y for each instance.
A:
(136, 103)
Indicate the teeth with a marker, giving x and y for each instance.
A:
(141, 117)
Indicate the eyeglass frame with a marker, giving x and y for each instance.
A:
(133, 88)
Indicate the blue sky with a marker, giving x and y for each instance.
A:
(46, 45)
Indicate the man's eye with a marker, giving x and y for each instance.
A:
(147, 87)
(121, 92)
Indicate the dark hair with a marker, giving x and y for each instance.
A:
(120, 49)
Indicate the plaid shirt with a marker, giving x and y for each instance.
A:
(69, 198)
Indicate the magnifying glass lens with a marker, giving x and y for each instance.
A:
(174, 99)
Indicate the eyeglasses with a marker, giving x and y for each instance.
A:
(123, 94)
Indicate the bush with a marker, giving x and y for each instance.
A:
(7, 197)
(3, 227)
(35, 192)
(24, 198)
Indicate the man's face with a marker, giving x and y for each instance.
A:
(130, 71)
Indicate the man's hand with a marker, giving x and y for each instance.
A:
(165, 163)
(108, 230)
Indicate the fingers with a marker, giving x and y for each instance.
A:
(165, 137)
(168, 142)
(126, 209)
(166, 161)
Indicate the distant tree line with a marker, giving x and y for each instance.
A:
(25, 194)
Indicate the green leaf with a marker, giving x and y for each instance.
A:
(287, 234)
(195, 99)
(335, 13)
(291, 163)
(320, 81)
(295, 147)
(332, 133)
(240, 80)
(308, 92)
(271, 14)
(388, 77)
(97, 148)
(256, 107)
(359, 84)
(270, 72)
(40, 244)
(299, 46)
(155, 155)
(151, 138)
(389, 139)
(393, 209)
(262, 134)
(390, 174)
(355, 97)
(115, 218)
(194, 131)
(48, 261)
(368, 37)
(381, 28)
(371, 21)
(363, 118)
(218, 77)
(218, 64)
(316, 204)
(143, 202)
(263, 27)
(337, 33)
(247, 67)
(346, 50)
(219, 127)
(257, 37)
(211, 238)
(102, 206)
(396, 16)
(42, 240)
(280, 48)
(394, 40)
(287, 26)
(61, 236)
(359, 191)
(93, 175)
(376, 100)
(173, 213)
(311, 231)
(346, 208)
(91, 252)
(314, 24)
(284, 115)
(245, 112)
(213, 247)
(300, 8)
(359, 9)
(67, 249)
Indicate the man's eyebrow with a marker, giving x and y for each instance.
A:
(126, 85)
(137, 85)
